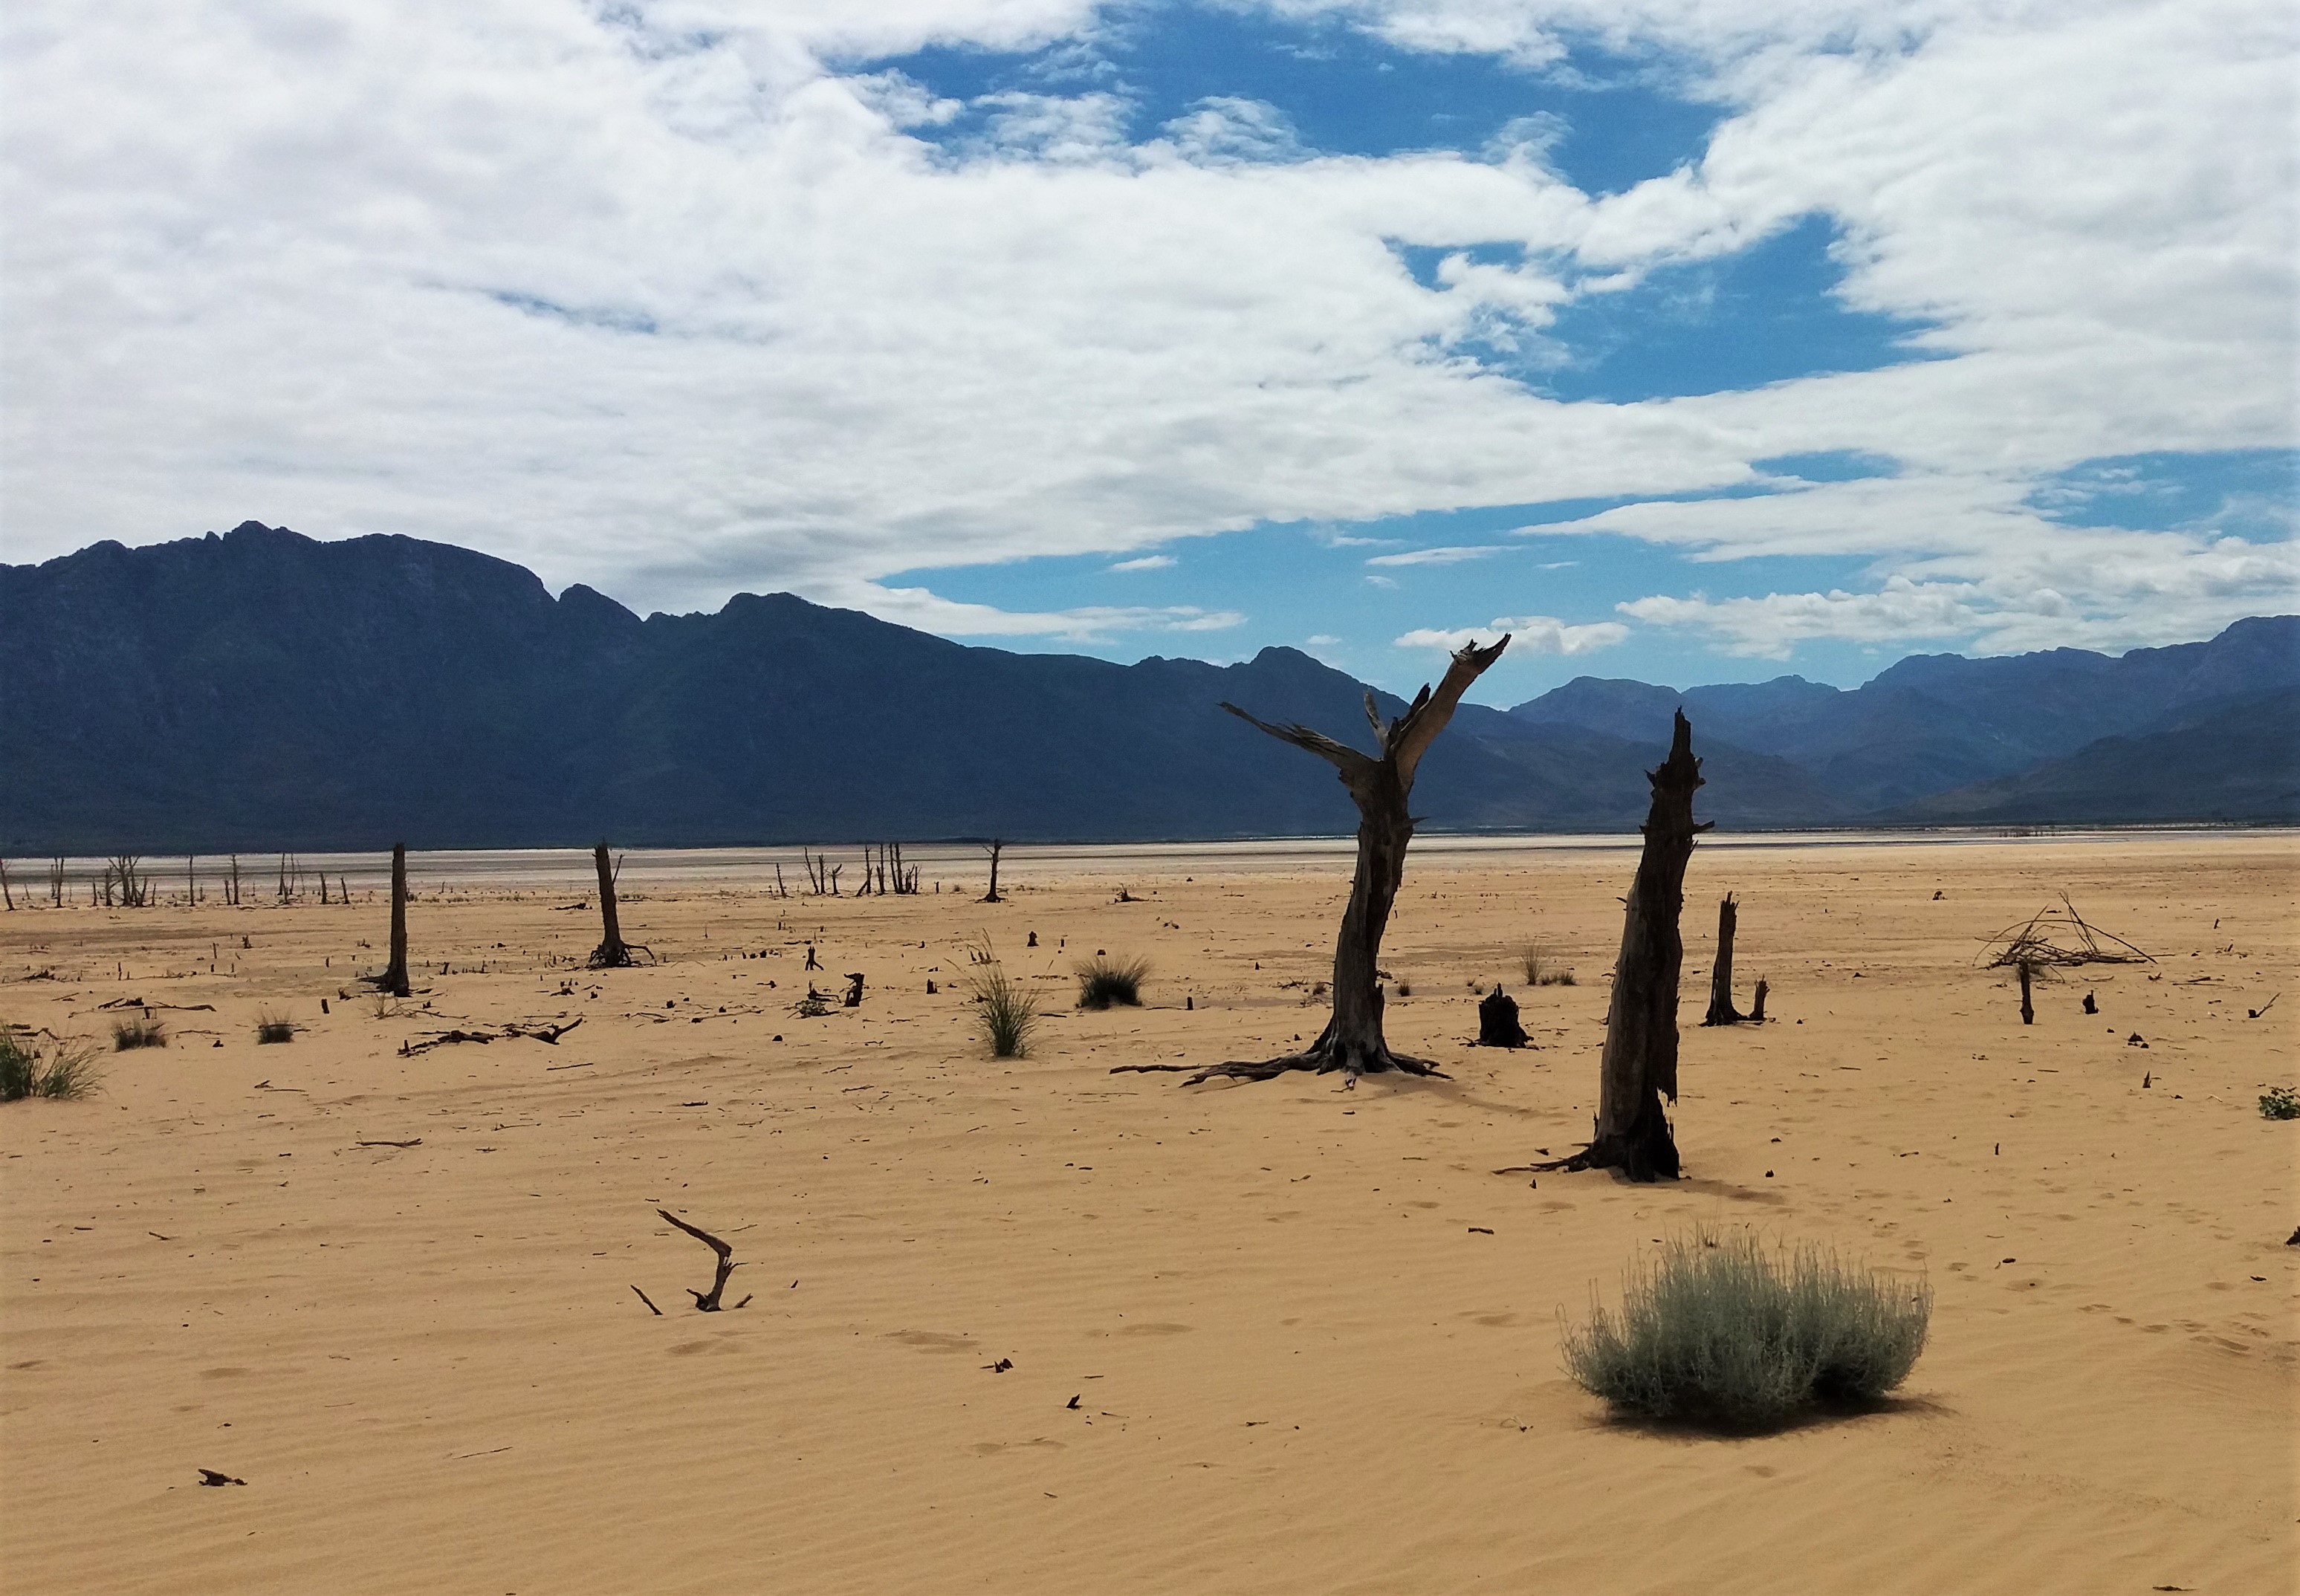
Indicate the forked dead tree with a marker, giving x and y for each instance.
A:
(1379, 785)
(996, 848)
(1639, 1063)
(393, 978)
(1721, 1011)
(612, 951)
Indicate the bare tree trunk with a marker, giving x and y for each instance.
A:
(1379, 785)
(394, 978)
(5, 890)
(1639, 1065)
(612, 951)
(995, 850)
(2028, 1009)
(1757, 1005)
(1721, 1011)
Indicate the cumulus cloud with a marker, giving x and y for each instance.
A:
(677, 298)
(1528, 635)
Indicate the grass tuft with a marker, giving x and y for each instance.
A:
(2279, 1102)
(1104, 981)
(144, 1032)
(1008, 1014)
(60, 1070)
(1541, 970)
(271, 1027)
(1719, 1329)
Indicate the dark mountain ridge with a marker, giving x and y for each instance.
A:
(262, 690)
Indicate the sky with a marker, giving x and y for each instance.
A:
(1687, 340)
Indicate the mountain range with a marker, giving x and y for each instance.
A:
(262, 690)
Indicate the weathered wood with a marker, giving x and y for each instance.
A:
(2028, 1009)
(393, 978)
(1721, 1011)
(612, 951)
(1640, 1064)
(1379, 785)
(707, 1302)
(1497, 1021)
(1757, 1003)
(997, 847)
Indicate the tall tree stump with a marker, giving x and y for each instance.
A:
(1639, 1065)
(394, 978)
(1379, 785)
(1721, 1011)
(612, 951)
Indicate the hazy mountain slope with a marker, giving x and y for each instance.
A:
(261, 690)
(1936, 723)
(2234, 758)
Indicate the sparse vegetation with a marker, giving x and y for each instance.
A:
(1008, 1014)
(272, 1028)
(2279, 1102)
(58, 1069)
(1541, 970)
(1104, 981)
(142, 1031)
(1720, 1329)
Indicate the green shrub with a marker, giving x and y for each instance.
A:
(146, 1031)
(1717, 1329)
(2279, 1102)
(1104, 981)
(28, 1069)
(1007, 1012)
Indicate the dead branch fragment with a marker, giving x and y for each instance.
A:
(2055, 939)
(705, 1302)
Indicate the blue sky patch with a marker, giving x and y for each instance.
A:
(1608, 122)
(2245, 492)
(1766, 314)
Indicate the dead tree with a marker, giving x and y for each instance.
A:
(997, 847)
(612, 951)
(1380, 785)
(1640, 1064)
(1497, 1021)
(4, 889)
(232, 886)
(393, 978)
(1721, 1011)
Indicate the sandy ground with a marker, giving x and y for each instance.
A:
(1313, 1337)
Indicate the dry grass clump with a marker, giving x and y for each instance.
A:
(1104, 981)
(1542, 970)
(59, 1069)
(144, 1032)
(272, 1028)
(1007, 1013)
(1720, 1329)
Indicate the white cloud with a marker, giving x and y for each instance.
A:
(928, 612)
(1453, 555)
(1320, 640)
(1528, 635)
(1221, 129)
(655, 298)
(1146, 562)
